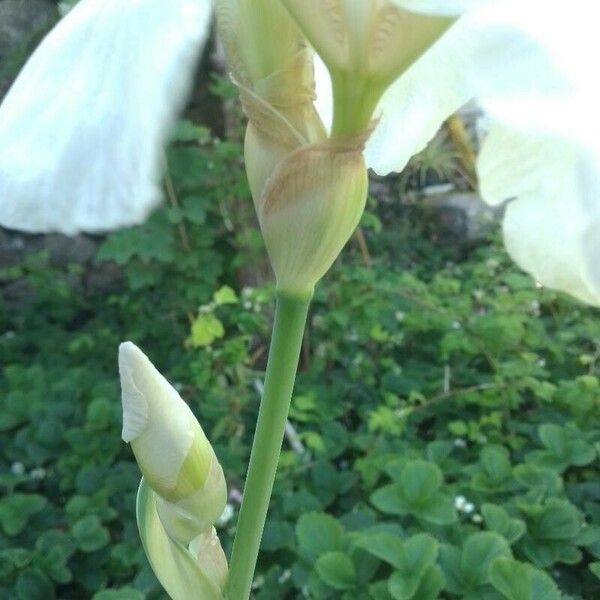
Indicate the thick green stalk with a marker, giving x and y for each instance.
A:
(288, 330)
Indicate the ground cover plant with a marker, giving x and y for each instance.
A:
(445, 442)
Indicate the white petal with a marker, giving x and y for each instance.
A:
(439, 7)
(414, 107)
(82, 129)
(552, 223)
(542, 150)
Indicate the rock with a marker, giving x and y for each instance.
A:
(63, 250)
(103, 278)
(22, 23)
(462, 216)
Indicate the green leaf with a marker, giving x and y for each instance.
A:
(595, 569)
(32, 584)
(432, 583)
(385, 546)
(479, 551)
(438, 511)
(390, 499)
(206, 328)
(450, 561)
(420, 481)
(173, 564)
(416, 557)
(497, 519)
(336, 570)
(558, 520)
(225, 295)
(543, 479)
(318, 534)
(90, 534)
(518, 581)
(17, 509)
(126, 593)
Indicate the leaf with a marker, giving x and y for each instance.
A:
(479, 551)
(173, 565)
(225, 295)
(417, 556)
(559, 520)
(497, 519)
(519, 581)
(126, 593)
(439, 511)
(385, 546)
(206, 328)
(390, 499)
(32, 584)
(17, 509)
(496, 463)
(89, 534)
(431, 584)
(420, 480)
(595, 569)
(318, 534)
(336, 570)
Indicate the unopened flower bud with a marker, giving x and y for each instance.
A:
(366, 45)
(309, 208)
(170, 447)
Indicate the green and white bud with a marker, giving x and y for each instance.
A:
(183, 491)
(366, 45)
(169, 445)
(309, 209)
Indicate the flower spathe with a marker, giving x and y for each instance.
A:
(83, 127)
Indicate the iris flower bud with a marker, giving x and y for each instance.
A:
(309, 209)
(183, 491)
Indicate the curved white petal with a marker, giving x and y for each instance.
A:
(414, 107)
(82, 128)
(440, 7)
(542, 150)
(552, 222)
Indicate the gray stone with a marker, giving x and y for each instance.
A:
(63, 250)
(462, 216)
(22, 19)
(22, 24)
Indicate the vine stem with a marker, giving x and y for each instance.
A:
(288, 330)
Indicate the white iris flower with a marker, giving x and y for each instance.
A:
(82, 129)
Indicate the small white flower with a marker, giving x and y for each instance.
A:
(477, 518)
(17, 468)
(459, 502)
(38, 473)
(460, 443)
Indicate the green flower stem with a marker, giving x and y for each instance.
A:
(288, 330)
